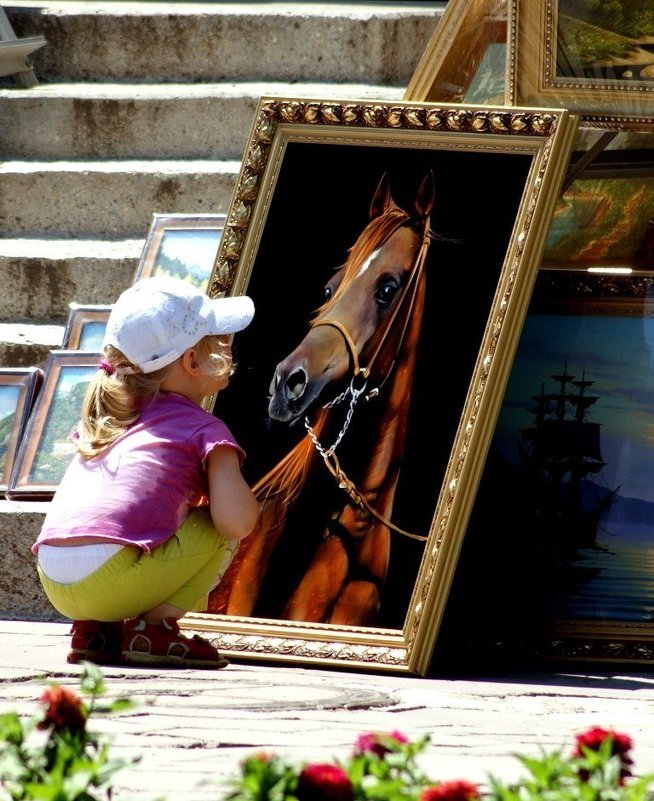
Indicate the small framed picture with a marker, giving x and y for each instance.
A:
(18, 389)
(465, 59)
(85, 327)
(183, 246)
(47, 445)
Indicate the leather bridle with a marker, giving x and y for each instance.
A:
(360, 376)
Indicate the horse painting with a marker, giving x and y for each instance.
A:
(325, 528)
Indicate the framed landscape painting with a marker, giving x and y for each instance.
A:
(19, 387)
(593, 58)
(183, 246)
(357, 228)
(47, 446)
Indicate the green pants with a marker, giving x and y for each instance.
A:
(180, 572)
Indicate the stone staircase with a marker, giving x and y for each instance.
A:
(145, 108)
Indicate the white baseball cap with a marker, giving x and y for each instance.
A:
(154, 321)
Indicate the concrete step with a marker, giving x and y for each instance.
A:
(145, 108)
(160, 121)
(108, 199)
(21, 596)
(41, 277)
(377, 42)
(27, 345)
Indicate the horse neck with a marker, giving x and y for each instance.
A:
(395, 394)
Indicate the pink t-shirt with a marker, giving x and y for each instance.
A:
(140, 489)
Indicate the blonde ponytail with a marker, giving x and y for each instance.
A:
(113, 402)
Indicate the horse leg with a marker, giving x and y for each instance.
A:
(239, 589)
(335, 589)
(342, 584)
(314, 596)
(359, 599)
(358, 604)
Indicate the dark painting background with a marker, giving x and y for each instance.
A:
(319, 206)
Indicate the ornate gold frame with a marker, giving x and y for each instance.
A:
(597, 262)
(539, 141)
(533, 39)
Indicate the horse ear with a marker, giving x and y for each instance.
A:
(425, 197)
(382, 198)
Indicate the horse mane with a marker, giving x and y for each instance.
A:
(287, 477)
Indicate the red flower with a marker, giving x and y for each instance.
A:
(377, 743)
(459, 790)
(593, 738)
(324, 782)
(63, 710)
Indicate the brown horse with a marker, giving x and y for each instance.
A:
(360, 349)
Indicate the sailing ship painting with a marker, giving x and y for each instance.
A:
(568, 478)
(560, 453)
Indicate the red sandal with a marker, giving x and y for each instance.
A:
(97, 642)
(164, 644)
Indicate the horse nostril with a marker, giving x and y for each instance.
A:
(296, 384)
(274, 383)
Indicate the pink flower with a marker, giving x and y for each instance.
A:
(324, 782)
(378, 743)
(63, 710)
(593, 738)
(459, 790)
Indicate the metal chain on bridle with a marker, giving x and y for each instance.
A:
(358, 386)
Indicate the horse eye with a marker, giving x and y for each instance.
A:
(328, 292)
(386, 291)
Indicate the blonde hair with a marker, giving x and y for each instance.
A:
(114, 399)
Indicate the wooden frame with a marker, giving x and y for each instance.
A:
(303, 194)
(547, 65)
(85, 327)
(19, 387)
(182, 245)
(465, 59)
(46, 448)
(579, 562)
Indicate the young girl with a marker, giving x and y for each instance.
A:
(150, 511)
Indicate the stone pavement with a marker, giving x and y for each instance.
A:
(191, 728)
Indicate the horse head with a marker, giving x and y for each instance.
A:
(362, 301)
